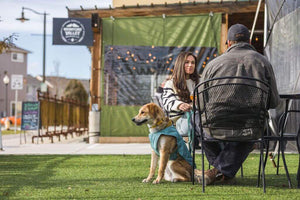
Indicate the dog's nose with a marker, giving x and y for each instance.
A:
(133, 119)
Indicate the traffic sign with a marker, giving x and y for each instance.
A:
(16, 82)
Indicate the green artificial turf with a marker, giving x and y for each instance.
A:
(120, 177)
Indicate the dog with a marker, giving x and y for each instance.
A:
(178, 170)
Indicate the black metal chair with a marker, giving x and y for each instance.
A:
(286, 135)
(241, 104)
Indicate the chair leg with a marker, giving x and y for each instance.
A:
(263, 168)
(203, 180)
(285, 166)
(259, 171)
(193, 162)
(278, 157)
(298, 171)
(267, 152)
(242, 171)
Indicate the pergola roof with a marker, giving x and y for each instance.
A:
(169, 9)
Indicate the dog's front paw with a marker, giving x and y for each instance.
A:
(156, 181)
(146, 180)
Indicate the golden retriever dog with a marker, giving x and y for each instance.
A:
(171, 170)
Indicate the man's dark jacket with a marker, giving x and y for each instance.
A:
(241, 59)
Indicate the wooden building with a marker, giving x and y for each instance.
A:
(231, 12)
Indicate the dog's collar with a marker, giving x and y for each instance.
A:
(160, 122)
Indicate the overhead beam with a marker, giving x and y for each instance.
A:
(171, 9)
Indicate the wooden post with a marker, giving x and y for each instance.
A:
(95, 83)
(224, 29)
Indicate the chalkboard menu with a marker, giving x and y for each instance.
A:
(30, 115)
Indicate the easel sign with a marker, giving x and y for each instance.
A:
(30, 115)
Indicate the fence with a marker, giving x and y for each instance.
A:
(61, 117)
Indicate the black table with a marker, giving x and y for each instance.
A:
(288, 136)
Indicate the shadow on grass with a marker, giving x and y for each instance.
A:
(272, 180)
(112, 177)
(18, 172)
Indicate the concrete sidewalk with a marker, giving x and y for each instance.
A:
(15, 145)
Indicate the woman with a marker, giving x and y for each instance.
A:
(179, 89)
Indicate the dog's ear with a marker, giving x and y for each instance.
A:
(159, 114)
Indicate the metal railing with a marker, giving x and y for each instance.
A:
(61, 117)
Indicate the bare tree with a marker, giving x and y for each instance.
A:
(75, 90)
(7, 42)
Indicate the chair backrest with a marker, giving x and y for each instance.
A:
(232, 108)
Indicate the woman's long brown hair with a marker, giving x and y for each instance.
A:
(179, 76)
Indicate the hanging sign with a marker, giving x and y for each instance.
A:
(72, 31)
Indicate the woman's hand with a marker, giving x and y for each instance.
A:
(185, 107)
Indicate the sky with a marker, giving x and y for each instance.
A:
(61, 60)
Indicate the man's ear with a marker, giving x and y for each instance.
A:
(229, 43)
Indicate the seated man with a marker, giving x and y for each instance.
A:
(240, 59)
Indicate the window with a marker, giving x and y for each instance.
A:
(17, 57)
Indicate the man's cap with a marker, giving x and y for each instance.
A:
(238, 32)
